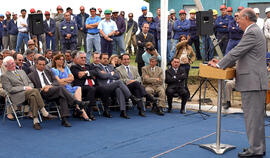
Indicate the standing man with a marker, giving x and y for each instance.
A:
(142, 38)
(107, 29)
(230, 12)
(260, 21)
(267, 28)
(92, 38)
(221, 26)
(6, 39)
(181, 27)
(58, 18)
(235, 33)
(13, 31)
(142, 18)
(81, 18)
(157, 18)
(118, 39)
(133, 27)
(49, 29)
(1, 30)
(251, 80)
(22, 25)
(68, 30)
(194, 38)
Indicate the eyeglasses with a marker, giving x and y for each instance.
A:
(1, 58)
(18, 59)
(83, 57)
(236, 16)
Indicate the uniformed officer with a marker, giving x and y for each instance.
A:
(68, 32)
(194, 38)
(221, 26)
(181, 27)
(235, 33)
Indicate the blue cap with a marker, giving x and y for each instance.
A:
(144, 8)
(2, 15)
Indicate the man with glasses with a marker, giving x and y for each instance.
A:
(49, 28)
(20, 65)
(92, 38)
(133, 27)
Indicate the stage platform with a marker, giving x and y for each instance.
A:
(171, 136)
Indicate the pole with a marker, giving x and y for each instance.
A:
(163, 33)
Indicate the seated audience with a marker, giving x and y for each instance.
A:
(114, 61)
(109, 79)
(51, 90)
(153, 82)
(96, 59)
(130, 76)
(29, 60)
(48, 56)
(175, 78)
(31, 47)
(21, 90)
(150, 51)
(65, 78)
(20, 65)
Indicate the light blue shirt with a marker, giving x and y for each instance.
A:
(146, 56)
(94, 20)
(107, 26)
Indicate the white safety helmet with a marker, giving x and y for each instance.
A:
(149, 15)
(267, 10)
(172, 11)
(256, 10)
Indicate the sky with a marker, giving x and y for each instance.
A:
(50, 5)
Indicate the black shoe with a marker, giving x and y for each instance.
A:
(92, 117)
(159, 111)
(134, 99)
(124, 114)
(77, 113)
(141, 113)
(107, 114)
(182, 111)
(227, 105)
(169, 110)
(37, 126)
(65, 123)
(246, 149)
(249, 154)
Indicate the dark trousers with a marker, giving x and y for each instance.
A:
(138, 91)
(106, 46)
(224, 42)
(62, 96)
(140, 65)
(181, 91)
(187, 68)
(69, 46)
(89, 93)
(103, 92)
(196, 41)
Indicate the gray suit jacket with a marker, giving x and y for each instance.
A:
(149, 77)
(249, 56)
(124, 75)
(102, 78)
(14, 85)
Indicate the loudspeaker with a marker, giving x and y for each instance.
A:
(204, 21)
(36, 24)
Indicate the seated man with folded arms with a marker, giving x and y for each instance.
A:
(51, 90)
(175, 78)
(130, 76)
(153, 82)
(108, 78)
(21, 89)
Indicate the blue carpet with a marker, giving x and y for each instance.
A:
(119, 138)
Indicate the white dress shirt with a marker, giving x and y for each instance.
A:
(21, 21)
(41, 78)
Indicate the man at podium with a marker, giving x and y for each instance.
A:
(251, 80)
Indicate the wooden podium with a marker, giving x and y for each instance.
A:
(215, 73)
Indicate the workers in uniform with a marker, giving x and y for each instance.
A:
(68, 30)
(194, 38)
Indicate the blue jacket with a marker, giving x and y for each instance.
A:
(221, 22)
(121, 24)
(193, 28)
(1, 30)
(169, 34)
(50, 28)
(79, 21)
(12, 27)
(141, 20)
(5, 22)
(181, 28)
(234, 31)
(68, 28)
(153, 29)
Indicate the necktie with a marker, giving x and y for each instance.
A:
(44, 79)
(129, 73)
(144, 36)
(90, 82)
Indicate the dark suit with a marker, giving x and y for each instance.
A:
(50, 40)
(141, 41)
(24, 67)
(57, 92)
(251, 80)
(112, 84)
(87, 91)
(176, 84)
